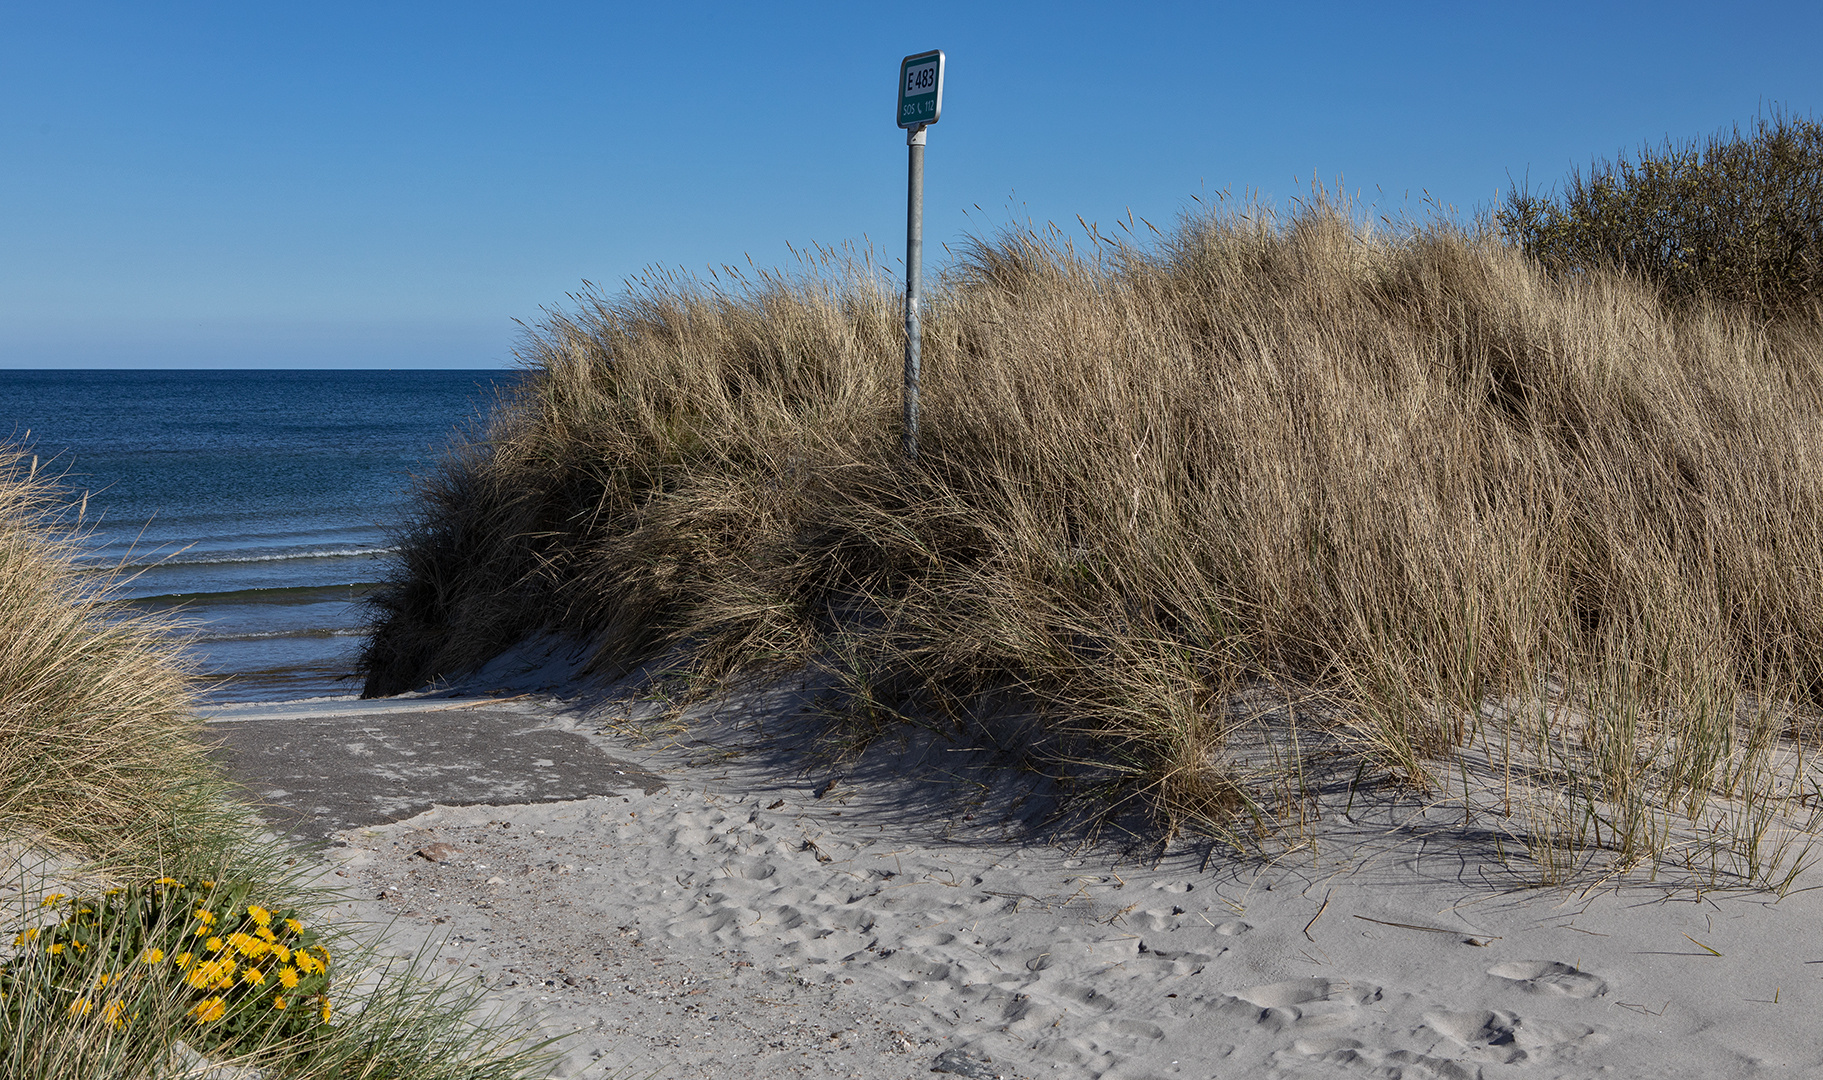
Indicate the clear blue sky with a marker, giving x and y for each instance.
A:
(385, 184)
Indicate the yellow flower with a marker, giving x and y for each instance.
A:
(253, 975)
(215, 944)
(169, 881)
(211, 973)
(115, 1013)
(265, 934)
(55, 949)
(278, 1001)
(209, 1009)
(182, 959)
(207, 884)
(53, 898)
(103, 979)
(205, 916)
(151, 956)
(315, 958)
(288, 977)
(294, 926)
(281, 952)
(247, 944)
(81, 1007)
(325, 1010)
(259, 914)
(29, 935)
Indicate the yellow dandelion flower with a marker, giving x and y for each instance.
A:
(29, 935)
(281, 952)
(278, 1001)
(259, 914)
(253, 975)
(169, 881)
(209, 1009)
(53, 899)
(103, 979)
(200, 977)
(115, 1013)
(151, 956)
(206, 883)
(325, 1010)
(265, 934)
(294, 926)
(205, 916)
(288, 977)
(247, 944)
(55, 949)
(215, 944)
(182, 959)
(81, 1007)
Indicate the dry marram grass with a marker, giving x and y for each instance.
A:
(1436, 498)
(97, 735)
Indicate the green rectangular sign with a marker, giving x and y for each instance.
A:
(921, 89)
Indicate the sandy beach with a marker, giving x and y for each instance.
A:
(730, 903)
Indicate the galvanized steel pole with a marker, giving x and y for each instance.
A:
(914, 268)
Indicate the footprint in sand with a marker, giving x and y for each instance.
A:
(1300, 1003)
(1503, 1037)
(1358, 1058)
(1550, 977)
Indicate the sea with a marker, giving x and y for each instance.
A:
(254, 508)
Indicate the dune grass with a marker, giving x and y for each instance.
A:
(1443, 503)
(98, 754)
(107, 794)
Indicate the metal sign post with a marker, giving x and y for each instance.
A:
(920, 105)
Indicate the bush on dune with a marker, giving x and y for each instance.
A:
(1736, 218)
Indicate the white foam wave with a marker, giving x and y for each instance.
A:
(222, 560)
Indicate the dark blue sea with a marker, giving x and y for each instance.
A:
(257, 505)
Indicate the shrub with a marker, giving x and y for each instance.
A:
(1737, 218)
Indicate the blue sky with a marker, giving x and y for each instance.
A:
(385, 184)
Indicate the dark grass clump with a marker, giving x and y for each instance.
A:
(1396, 475)
(1736, 218)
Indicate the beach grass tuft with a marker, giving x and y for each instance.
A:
(98, 755)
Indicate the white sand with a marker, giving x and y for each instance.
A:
(737, 925)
